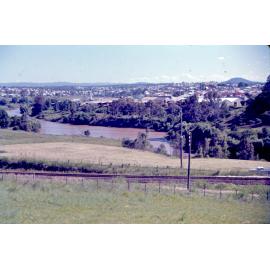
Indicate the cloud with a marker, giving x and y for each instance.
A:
(221, 58)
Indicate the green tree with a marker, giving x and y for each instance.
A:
(245, 149)
(38, 105)
(4, 119)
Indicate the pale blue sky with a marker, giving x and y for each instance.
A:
(132, 63)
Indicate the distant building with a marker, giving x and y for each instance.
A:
(232, 102)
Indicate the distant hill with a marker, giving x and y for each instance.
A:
(240, 80)
(50, 84)
(66, 84)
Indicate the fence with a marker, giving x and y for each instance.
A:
(250, 187)
(237, 180)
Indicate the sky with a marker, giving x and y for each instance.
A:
(129, 64)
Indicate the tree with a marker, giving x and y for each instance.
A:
(87, 133)
(200, 152)
(206, 147)
(261, 103)
(38, 105)
(4, 119)
(24, 109)
(126, 142)
(245, 149)
(161, 150)
(217, 151)
(3, 102)
(141, 141)
(14, 100)
(226, 151)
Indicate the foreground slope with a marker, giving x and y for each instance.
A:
(40, 202)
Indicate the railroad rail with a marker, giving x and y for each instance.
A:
(238, 180)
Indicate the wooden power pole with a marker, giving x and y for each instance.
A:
(189, 153)
(181, 140)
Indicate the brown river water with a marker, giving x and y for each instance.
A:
(53, 128)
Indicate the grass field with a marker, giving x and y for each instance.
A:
(79, 152)
(57, 202)
(8, 137)
(108, 154)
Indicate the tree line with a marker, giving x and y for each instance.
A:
(216, 128)
(22, 122)
(158, 115)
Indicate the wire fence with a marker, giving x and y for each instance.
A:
(238, 188)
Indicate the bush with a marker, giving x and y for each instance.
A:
(127, 143)
(161, 150)
(87, 133)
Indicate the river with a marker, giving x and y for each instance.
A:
(53, 128)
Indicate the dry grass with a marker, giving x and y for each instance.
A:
(105, 154)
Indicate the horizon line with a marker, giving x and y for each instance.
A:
(138, 82)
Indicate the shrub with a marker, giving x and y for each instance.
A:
(161, 150)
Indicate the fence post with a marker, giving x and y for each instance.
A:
(66, 180)
(128, 185)
(252, 195)
(97, 184)
(204, 187)
(112, 184)
(220, 193)
(144, 187)
(158, 186)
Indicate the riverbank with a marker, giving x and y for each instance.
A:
(115, 133)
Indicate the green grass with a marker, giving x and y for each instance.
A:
(22, 137)
(58, 202)
(51, 115)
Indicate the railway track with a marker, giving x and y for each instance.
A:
(238, 180)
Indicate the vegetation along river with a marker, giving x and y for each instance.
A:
(53, 128)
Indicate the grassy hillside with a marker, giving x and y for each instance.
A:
(44, 202)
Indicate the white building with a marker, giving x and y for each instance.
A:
(232, 102)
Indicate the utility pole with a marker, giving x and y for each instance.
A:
(189, 153)
(181, 139)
